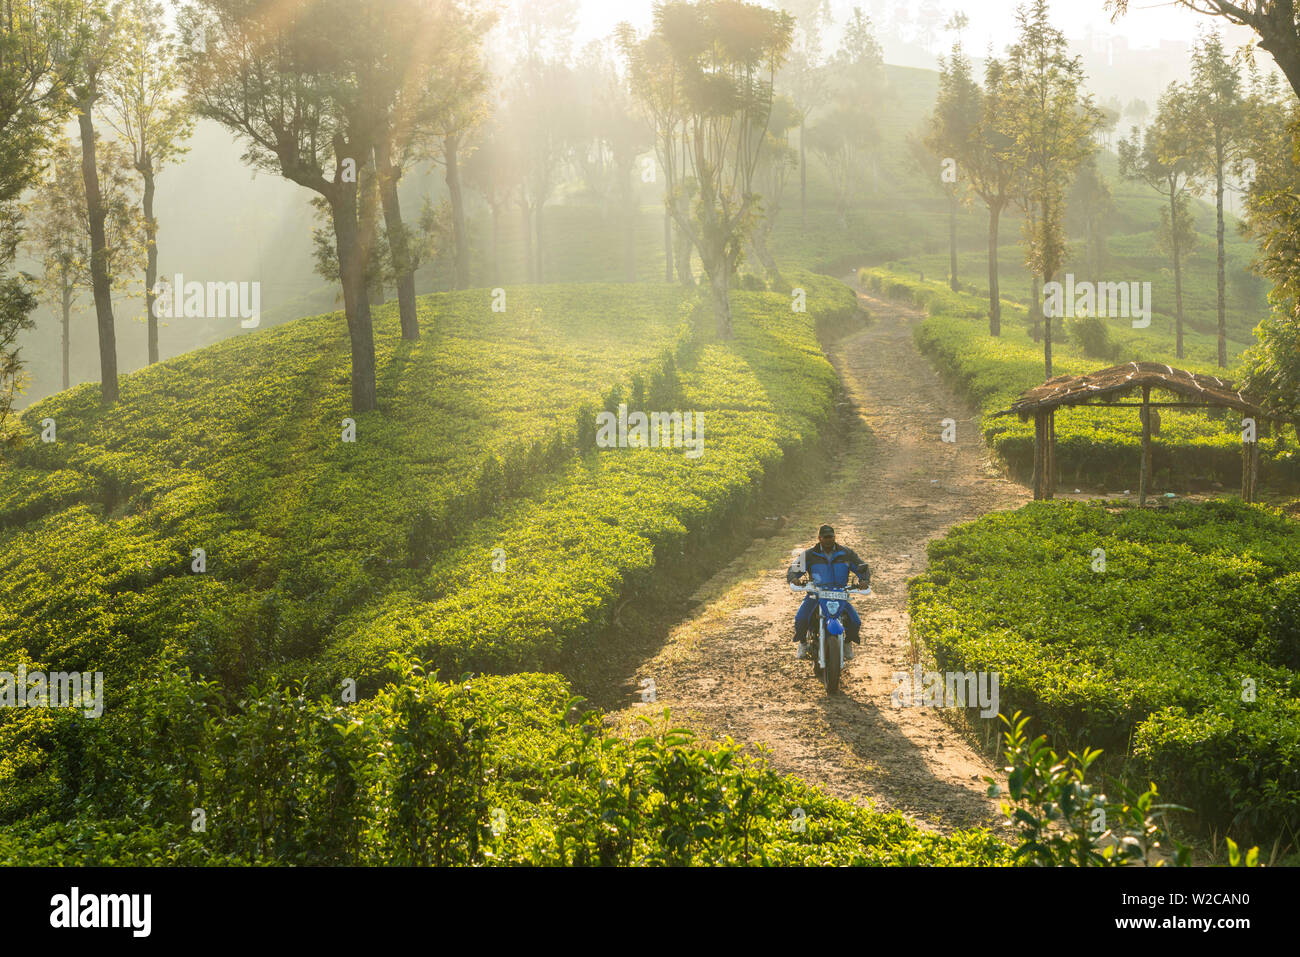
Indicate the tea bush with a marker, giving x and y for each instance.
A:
(223, 705)
(497, 770)
(1173, 657)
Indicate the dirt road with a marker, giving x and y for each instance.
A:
(730, 670)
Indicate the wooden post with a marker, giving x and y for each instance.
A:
(1040, 452)
(1049, 480)
(1144, 476)
(1250, 467)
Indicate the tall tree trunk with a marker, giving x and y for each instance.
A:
(995, 297)
(629, 225)
(1178, 275)
(355, 302)
(368, 229)
(66, 281)
(151, 254)
(541, 247)
(398, 244)
(496, 242)
(1047, 336)
(683, 256)
(1035, 307)
(1223, 315)
(451, 154)
(99, 279)
(668, 245)
(719, 286)
(803, 179)
(528, 240)
(952, 241)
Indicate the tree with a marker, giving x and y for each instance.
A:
(858, 75)
(842, 140)
(547, 129)
(618, 134)
(724, 55)
(90, 64)
(804, 78)
(1137, 111)
(295, 82)
(991, 168)
(1093, 203)
(141, 104)
(1109, 114)
(1167, 158)
(1053, 125)
(1275, 22)
(1220, 112)
(461, 81)
(36, 46)
(777, 160)
(495, 171)
(1273, 221)
(654, 79)
(950, 132)
(60, 228)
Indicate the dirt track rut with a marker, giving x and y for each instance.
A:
(730, 669)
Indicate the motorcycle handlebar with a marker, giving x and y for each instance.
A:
(810, 588)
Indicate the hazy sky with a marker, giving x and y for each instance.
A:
(1147, 22)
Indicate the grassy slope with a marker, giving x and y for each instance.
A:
(325, 555)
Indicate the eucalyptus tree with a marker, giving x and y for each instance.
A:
(950, 134)
(1219, 103)
(35, 48)
(88, 65)
(59, 228)
(1051, 124)
(295, 81)
(991, 168)
(1167, 157)
(142, 103)
(723, 56)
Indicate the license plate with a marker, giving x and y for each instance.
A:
(835, 595)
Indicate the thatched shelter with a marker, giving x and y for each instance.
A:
(1106, 386)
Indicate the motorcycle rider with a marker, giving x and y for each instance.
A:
(827, 564)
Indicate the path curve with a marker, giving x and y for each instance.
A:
(730, 668)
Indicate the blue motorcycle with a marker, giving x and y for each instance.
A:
(831, 605)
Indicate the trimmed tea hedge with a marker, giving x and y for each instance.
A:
(1182, 654)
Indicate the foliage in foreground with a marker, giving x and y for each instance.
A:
(496, 770)
(1062, 820)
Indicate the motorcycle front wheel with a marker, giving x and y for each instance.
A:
(831, 674)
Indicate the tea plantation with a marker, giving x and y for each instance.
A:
(472, 527)
(1170, 640)
(1094, 445)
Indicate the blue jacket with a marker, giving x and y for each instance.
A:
(831, 569)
